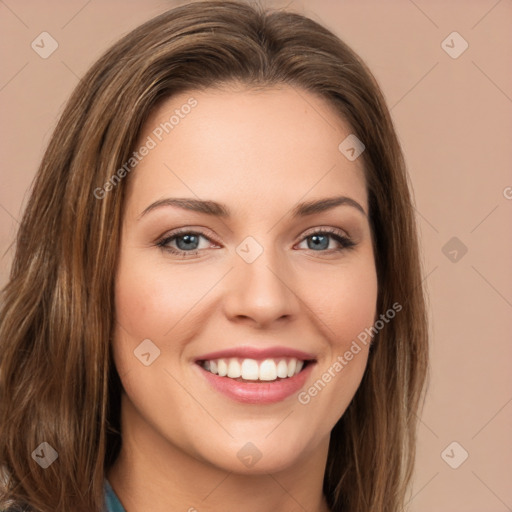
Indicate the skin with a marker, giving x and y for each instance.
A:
(260, 153)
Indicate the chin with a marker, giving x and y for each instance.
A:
(257, 457)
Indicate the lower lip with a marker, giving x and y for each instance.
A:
(258, 392)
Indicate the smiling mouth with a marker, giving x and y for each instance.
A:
(252, 370)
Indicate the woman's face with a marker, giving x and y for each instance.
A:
(261, 280)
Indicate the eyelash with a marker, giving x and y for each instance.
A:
(346, 243)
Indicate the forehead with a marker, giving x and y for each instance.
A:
(267, 145)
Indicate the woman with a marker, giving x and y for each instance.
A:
(216, 299)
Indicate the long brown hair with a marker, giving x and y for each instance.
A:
(58, 383)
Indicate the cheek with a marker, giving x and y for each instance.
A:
(151, 299)
(344, 305)
(356, 306)
(147, 306)
(159, 302)
(343, 301)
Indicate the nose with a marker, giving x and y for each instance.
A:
(261, 292)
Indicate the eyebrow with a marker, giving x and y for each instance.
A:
(220, 210)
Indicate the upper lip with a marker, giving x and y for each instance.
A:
(247, 352)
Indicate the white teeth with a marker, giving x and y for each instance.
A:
(222, 368)
(234, 369)
(282, 369)
(251, 369)
(291, 367)
(268, 370)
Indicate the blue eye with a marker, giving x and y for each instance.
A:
(320, 240)
(187, 242)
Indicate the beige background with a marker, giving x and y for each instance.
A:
(454, 119)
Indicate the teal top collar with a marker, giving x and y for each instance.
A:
(112, 502)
